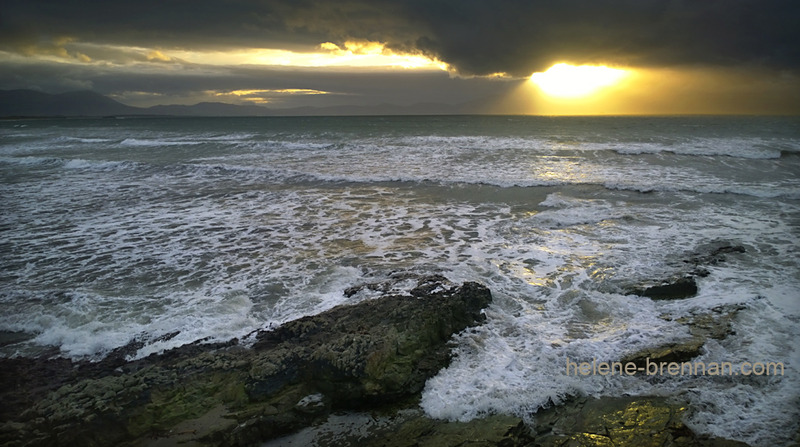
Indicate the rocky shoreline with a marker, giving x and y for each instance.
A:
(317, 378)
(612, 421)
(366, 356)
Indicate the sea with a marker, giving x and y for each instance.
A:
(167, 231)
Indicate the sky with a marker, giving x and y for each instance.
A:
(498, 56)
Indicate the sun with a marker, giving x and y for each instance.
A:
(570, 81)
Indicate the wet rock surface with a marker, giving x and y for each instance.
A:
(694, 265)
(716, 323)
(619, 421)
(685, 287)
(610, 421)
(367, 355)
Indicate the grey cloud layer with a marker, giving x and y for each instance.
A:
(191, 84)
(475, 37)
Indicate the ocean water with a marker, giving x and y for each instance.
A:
(173, 230)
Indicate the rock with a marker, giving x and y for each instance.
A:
(619, 421)
(685, 287)
(362, 356)
(313, 404)
(408, 427)
(14, 337)
(378, 348)
(711, 254)
(674, 352)
(715, 324)
(609, 421)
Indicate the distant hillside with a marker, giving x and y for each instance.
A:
(30, 103)
(82, 103)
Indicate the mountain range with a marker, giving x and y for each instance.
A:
(31, 103)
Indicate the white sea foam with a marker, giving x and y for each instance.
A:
(156, 142)
(236, 137)
(86, 140)
(749, 148)
(515, 363)
(101, 165)
(30, 161)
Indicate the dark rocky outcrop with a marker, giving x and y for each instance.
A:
(711, 254)
(365, 356)
(611, 421)
(683, 287)
(714, 324)
(684, 284)
(619, 421)
(382, 349)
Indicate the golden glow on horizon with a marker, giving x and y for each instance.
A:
(666, 91)
(289, 91)
(576, 90)
(353, 54)
(364, 55)
(264, 96)
(570, 81)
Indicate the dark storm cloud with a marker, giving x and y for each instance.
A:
(525, 36)
(168, 23)
(475, 37)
